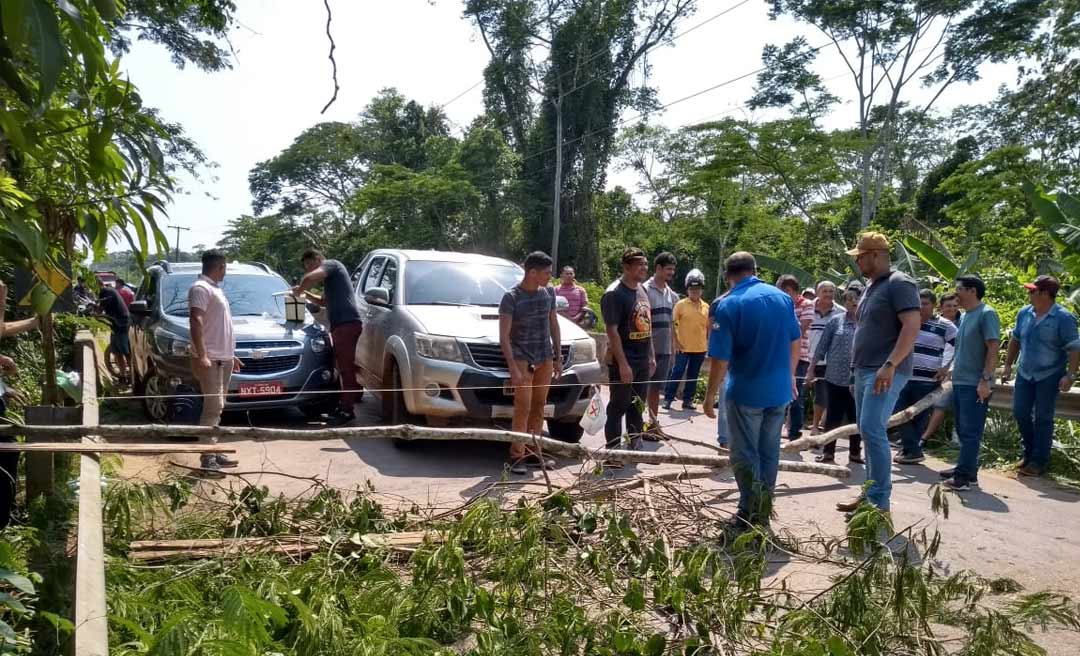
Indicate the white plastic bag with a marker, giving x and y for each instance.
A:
(595, 414)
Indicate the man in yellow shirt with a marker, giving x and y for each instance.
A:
(691, 321)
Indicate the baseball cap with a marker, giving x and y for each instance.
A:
(870, 241)
(1048, 284)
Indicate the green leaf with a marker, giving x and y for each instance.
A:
(837, 647)
(17, 581)
(656, 645)
(781, 267)
(107, 9)
(934, 258)
(14, 17)
(42, 299)
(28, 236)
(10, 124)
(48, 49)
(1047, 210)
(61, 624)
(6, 599)
(635, 596)
(1070, 206)
(969, 261)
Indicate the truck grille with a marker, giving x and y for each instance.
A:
(266, 345)
(489, 356)
(269, 365)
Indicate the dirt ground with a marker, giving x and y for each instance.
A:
(1024, 529)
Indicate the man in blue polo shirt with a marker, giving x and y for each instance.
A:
(1046, 340)
(755, 338)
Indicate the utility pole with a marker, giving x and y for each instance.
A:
(557, 209)
(178, 229)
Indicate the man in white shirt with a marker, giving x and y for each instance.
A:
(212, 348)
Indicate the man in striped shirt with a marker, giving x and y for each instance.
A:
(804, 314)
(932, 355)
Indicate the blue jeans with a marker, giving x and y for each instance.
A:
(687, 368)
(873, 411)
(1033, 407)
(970, 415)
(911, 433)
(755, 457)
(795, 422)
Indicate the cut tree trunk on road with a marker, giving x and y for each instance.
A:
(409, 432)
(901, 417)
(103, 447)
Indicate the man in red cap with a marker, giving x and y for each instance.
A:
(1045, 338)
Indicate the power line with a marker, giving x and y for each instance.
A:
(601, 52)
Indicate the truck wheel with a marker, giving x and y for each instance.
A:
(394, 410)
(567, 429)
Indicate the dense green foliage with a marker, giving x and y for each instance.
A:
(558, 577)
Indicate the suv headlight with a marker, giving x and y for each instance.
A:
(171, 344)
(437, 347)
(318, 344)
(584, 351)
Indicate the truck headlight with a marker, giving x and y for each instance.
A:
(584, 351)
(171, 344)
(437, 347)
(318, 344)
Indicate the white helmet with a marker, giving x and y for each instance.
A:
(695, 279)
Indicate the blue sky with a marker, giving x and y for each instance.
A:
(281, 80)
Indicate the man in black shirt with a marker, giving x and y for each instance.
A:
(627, 314)
(339, 299)
(115, 309)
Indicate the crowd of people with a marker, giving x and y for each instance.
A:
(864, 351)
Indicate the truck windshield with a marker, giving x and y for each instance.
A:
(248, 295)
(458, 283)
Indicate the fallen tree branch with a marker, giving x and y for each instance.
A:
(293, 545)
(103, 447)
(406, 432)
(902, 417)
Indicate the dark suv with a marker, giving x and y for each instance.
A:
(284, 362)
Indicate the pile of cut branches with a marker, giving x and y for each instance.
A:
(612, 567)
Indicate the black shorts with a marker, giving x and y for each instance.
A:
(821, 388)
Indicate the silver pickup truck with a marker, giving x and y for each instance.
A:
(431, 339)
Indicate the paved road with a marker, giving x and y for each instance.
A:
(1025, 529)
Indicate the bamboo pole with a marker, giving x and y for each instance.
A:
(409, 432)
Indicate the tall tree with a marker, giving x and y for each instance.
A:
(890, 46)
(558, 79)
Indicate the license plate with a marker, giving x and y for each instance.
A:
(264, 388)
(508, 389)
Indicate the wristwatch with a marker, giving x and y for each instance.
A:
(988, 377)
(889, 363)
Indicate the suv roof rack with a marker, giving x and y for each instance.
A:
(164, 264)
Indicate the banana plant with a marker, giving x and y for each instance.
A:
(805, 278)
(940, 262)
(1060, 213)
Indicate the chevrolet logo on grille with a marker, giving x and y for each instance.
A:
(257, 354)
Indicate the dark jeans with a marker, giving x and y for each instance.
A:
(687, 368)
(840, 412)
(911, 433)
(345, 337)
(622, 403)
(9, 469)
(970, 415)
(1033, 407)
(797, 409)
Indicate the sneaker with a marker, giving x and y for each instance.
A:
(340, 418)
(518, 467)
(666, 405)
(856, 458)
(947, 473)
(533, 460)
(689, 407)
(225, 461)
(957, 484)
(904, 459)
(1029, 470)
(825, 458)
(210, 466)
